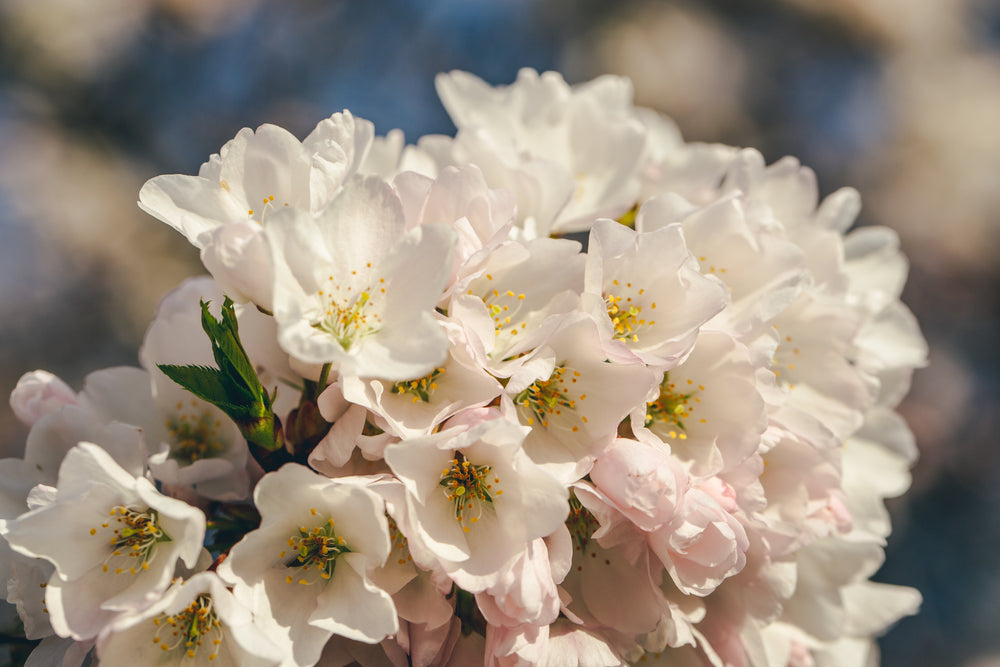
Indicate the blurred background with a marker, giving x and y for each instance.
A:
(900, 99)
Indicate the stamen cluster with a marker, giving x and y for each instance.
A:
(135, 535)
(576, 391)
(315, 549)
(470, 488)
(190, 628)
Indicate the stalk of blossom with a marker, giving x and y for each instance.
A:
(221, 209)
(474, 497)
(305, 572)
(196, 622)
(113, 539)
(355, 289)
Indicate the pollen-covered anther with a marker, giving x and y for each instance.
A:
(581, 525)
(194, 436)
(315, 551)
(190, 627)
(135, 533)
(469, 488)
(545, 398)
(626, 316)
(422, 388)
(503, 305)
(671, 407)
(348, 315)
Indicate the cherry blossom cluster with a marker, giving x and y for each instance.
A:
(561, 389)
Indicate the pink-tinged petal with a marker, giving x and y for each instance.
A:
(39, 393)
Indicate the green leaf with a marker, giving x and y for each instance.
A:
(233, 387)
(228, 350)
(205, 383)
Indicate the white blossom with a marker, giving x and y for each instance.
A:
(113, 539)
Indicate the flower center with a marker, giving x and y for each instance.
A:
(349, 315)
(314, 552)
(785, 356)
(502, 306)
(468, 487)
(581, 524)
(544, 398)
(190, 627)
(399, 542)
(421, 388)
(628, 217)
(625, 314)
(507, 310)
(134, 536)
(672, 406)
(194, 437)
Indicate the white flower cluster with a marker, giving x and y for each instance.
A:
(434, 430)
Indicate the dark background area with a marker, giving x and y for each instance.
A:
(899, 99)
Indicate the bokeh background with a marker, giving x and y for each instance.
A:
(899, 98)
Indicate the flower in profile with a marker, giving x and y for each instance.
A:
(114, 540)
(305, 572)
(256, 173)
(196, 622)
